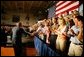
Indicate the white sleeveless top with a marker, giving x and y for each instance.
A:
(62, 31)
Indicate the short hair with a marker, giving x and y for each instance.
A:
(19, 24)
(79, 18)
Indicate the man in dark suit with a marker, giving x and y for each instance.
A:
(16, 37)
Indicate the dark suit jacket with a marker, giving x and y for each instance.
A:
(17, 35)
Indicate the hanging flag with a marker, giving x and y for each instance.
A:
(66, 6)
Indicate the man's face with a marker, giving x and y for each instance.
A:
(80, 24)
(76, 21)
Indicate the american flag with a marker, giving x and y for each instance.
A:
(66, 6)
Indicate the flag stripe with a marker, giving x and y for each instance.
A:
(70, 9)
(66, 6)
(62, 5)
(59, 3)
(72, 5)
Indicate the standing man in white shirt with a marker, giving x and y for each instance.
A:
(76, 45)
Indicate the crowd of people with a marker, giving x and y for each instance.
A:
(59, 32)
(67, 32)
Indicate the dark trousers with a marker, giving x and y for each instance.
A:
(45, 38)
(53, 41)
(18, 49)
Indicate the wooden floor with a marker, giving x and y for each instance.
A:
(9, 51)
(31, 52)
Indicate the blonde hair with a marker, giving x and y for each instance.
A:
(63, 20)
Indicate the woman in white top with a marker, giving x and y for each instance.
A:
(61, 32)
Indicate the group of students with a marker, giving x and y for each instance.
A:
(69, 30)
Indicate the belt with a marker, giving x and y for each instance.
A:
(78, 44)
